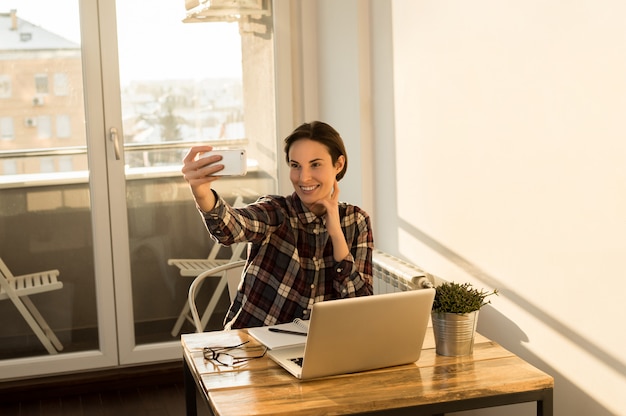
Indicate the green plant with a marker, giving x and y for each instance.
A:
(459, 298)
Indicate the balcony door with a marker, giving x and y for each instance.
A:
(92, 186)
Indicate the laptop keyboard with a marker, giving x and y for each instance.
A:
(297, 361)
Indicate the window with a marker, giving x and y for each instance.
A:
(65, 163)
(6, 128)
(44, 127)
(5, 86)
(60, 84)
(64, 127)
(186, 87)
(46, 165)
(9, 167)
(41, 83)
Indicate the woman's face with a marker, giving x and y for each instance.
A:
(311, 170)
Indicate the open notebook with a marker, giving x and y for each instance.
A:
(358, 334)
(290, 334)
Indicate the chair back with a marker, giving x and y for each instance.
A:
(233, 273)
(233, 276)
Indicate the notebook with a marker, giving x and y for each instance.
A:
(283, 335)
(360, 334)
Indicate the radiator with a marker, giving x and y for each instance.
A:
(392, 274)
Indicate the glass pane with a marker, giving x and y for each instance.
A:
(45, 212)
(181, 83)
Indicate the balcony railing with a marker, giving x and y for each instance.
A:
(137, 167)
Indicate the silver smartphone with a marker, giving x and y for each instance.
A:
(234, 160)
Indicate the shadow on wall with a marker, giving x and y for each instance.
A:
(492, 324)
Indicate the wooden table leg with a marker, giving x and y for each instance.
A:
(190, 390)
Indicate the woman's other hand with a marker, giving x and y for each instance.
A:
(328, 205)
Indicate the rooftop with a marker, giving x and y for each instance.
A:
(18, 34)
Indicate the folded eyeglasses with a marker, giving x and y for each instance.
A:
(234, 355)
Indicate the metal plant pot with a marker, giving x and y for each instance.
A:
(454, 333)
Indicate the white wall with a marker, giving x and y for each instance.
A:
(511, 151)
(498, 141)
(327, 77)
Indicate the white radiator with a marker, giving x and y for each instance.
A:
(392, 274)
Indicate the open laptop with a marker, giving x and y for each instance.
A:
(359, 334)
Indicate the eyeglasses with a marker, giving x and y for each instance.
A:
(234, 355)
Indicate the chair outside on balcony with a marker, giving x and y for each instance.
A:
(230, 275)
(193, 267)
(19, 288)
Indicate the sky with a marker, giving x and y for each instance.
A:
(153, 43)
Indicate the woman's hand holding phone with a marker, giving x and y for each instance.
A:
(200, 172)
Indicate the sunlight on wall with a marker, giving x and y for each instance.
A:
(510, 139)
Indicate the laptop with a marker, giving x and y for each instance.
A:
(360, 334)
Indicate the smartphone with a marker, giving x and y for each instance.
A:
(234, 161)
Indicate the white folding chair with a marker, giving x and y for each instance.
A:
(193, 267)
(230, 274)
(18, 288)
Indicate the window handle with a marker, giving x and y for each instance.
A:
(115, 138)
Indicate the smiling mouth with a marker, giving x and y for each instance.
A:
(308, 188)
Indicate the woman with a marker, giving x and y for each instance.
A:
(306, 247)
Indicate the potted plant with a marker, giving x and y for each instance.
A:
(455, 315)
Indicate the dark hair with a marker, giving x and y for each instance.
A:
(323, 133)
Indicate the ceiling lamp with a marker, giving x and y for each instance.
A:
(199, 11)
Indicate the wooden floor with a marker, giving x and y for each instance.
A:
(110, 397)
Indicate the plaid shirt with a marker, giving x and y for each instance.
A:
(290, 261)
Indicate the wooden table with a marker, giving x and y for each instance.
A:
(434, 385)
